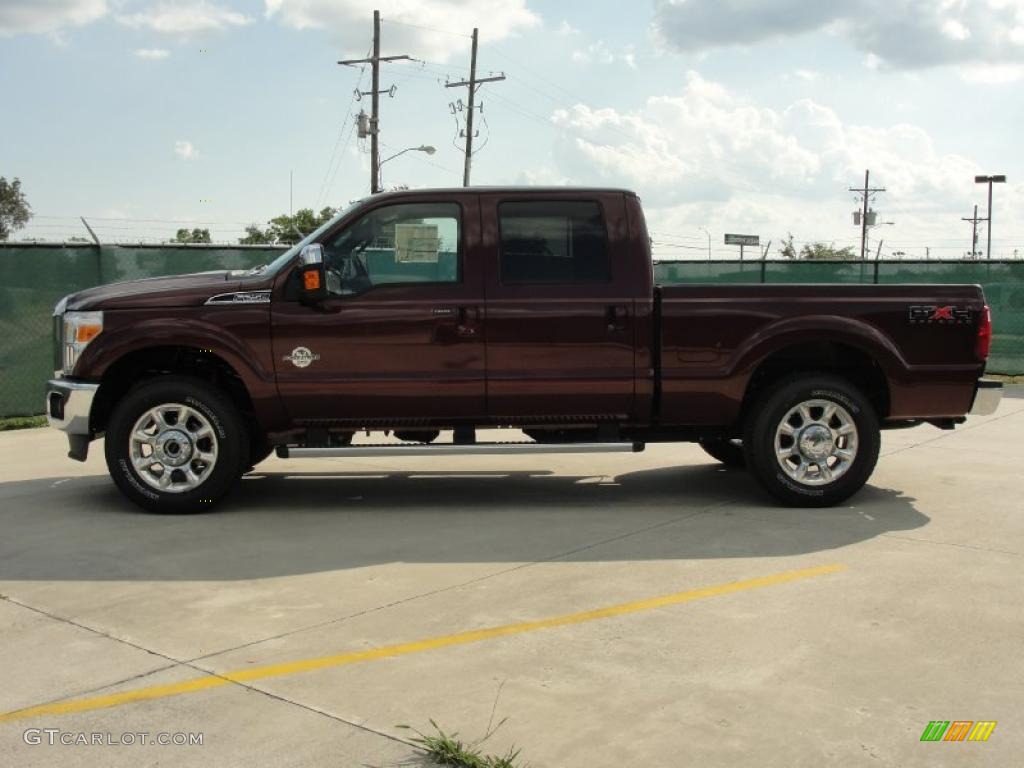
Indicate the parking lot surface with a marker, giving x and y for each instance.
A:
(649, 609)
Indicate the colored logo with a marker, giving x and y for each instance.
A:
(948, 315)
(301, 357)
(958, 730)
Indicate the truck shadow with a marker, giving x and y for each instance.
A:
(284, 523)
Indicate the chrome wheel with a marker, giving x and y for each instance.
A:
(816, 442)
(173, 448)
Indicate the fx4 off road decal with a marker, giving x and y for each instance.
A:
(949, 314)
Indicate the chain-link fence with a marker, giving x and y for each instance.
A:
(33, 277)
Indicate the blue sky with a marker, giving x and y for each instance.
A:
(725, 115)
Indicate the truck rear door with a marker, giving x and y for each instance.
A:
(560, 314)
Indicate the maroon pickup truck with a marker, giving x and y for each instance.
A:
(459, 309)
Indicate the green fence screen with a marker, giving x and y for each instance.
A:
(33, 277)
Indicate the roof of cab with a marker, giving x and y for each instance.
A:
(516, 190)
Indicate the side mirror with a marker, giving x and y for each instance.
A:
(312, 278)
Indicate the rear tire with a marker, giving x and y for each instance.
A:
(812, 440)
(725, 451)
(176, 445)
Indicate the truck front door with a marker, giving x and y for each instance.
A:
(400, 335)
(560, 312)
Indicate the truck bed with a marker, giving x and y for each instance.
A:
(713, 338)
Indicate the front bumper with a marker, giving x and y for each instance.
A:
(986, 397)
(68, 408)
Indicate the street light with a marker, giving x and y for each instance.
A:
(424, 148)
(990, 180)
(709, 241)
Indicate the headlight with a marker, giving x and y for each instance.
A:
(79, 329)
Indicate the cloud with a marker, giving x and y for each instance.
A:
(707, 155)
(565, 29)
(41, 16)
(992, 74)
(903, 34)
(601, 53)
(349, 21)
(184, 18)
(185, 150)
(152, 53)
(807, 75)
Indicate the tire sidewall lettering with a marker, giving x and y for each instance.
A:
(209, 413)
(129, 474)
(839, 397)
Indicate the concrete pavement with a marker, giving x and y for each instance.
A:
(316, 558)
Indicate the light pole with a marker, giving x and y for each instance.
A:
(425, 148)
(990, 180)
(705, 230)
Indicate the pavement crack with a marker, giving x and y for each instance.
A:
(176, 663)
(952, 544)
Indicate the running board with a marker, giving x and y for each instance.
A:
(288, 452)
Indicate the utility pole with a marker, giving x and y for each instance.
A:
(867, 193)
(374, 94)
(473, 83)
(974, 231)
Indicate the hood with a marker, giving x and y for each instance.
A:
(154, 292)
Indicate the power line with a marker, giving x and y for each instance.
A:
(345, 125)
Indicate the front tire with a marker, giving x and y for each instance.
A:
(812, 440)
(176, 445)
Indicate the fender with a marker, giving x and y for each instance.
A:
(123, 337)
(791, 331)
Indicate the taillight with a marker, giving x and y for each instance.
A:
(983, 341)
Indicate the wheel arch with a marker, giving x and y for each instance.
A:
(849, 358)
(148, 362)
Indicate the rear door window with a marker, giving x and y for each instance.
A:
(553, 242)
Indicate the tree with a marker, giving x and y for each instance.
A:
(14, 208)
(287, 229)
(195, 236)
(816, 251)
(254, 236)
(826, 252)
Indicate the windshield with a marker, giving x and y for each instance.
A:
(277, 264)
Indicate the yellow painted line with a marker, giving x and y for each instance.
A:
(403, 649)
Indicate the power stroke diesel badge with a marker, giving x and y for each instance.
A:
(301, 357)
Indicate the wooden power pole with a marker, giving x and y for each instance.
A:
(374, 94)
(974, 231)
(867, 193)
(472, 84)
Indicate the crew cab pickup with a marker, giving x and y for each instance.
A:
(453, 310)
